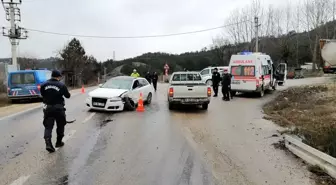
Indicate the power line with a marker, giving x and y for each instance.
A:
(135, 37)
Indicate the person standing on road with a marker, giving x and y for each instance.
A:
(226, 85)
(148, 77)
(52, 92)
(215, 81)
(155, 78)
(231, 92)
(135, 73)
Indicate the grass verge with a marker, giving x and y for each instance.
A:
(309, 112)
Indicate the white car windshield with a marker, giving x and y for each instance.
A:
(118, 84)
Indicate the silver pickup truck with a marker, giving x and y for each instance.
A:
(188, 88)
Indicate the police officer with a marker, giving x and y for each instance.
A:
(148, 77)
(216, 78)
(226, 85)
(52, 92)
(155, 78)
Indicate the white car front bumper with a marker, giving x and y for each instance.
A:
(105, 104)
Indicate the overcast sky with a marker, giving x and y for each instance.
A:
(120, 18)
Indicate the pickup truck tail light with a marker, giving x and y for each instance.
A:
(171, 92)
(209, 91)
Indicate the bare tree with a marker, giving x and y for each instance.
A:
(316, 12)
(221, 48)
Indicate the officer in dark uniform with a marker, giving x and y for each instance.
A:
(155, 78)
(226, 85)
(148, 77)
(52, 92)
(216, 78)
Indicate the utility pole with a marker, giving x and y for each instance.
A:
(14, 33)
(257, 25)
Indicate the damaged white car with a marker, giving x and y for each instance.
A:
(120, 93)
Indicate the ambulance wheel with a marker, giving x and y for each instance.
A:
(280, 83)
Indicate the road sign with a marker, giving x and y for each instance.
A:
(166, 67)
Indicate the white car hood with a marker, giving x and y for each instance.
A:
(107, 92)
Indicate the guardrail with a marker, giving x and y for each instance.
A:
(311, 155)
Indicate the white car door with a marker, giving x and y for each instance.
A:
(145, 88)
(136, 89)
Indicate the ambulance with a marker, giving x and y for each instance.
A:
(253, 72)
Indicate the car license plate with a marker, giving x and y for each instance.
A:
(235, 82)
(190, 100)
(98, 104)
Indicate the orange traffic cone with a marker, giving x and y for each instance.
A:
(140, 107)
(83, 90)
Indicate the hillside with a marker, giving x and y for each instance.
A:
(282, 48)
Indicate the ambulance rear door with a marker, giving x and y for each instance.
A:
(243, 70)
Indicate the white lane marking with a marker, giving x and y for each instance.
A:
(21, 180)
(33, 108)
(89, 117)
(68, 136)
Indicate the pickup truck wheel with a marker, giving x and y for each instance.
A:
(205, 106)
(170, 106)
(129, 104)
(209, 82)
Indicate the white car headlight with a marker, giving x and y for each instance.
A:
(114, 99)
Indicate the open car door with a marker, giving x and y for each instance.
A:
(281, 71)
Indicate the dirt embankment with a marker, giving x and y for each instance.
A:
(310, 112)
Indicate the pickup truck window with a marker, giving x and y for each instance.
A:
(187, 77)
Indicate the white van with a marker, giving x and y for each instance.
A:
(252, 72)
(207, 73)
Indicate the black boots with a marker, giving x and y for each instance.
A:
(59, 142)
(49, 146)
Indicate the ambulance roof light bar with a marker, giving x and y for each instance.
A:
(245, 53)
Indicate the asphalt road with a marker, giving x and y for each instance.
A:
(228, 144)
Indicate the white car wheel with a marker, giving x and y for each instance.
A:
(209, 82)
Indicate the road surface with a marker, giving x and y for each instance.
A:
(228, 144)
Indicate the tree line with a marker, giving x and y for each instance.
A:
(289, 34)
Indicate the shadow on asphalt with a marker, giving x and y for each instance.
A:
(252, 95)
(188, 109)
(27, 101)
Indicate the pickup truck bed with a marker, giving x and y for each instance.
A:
(188, 92)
